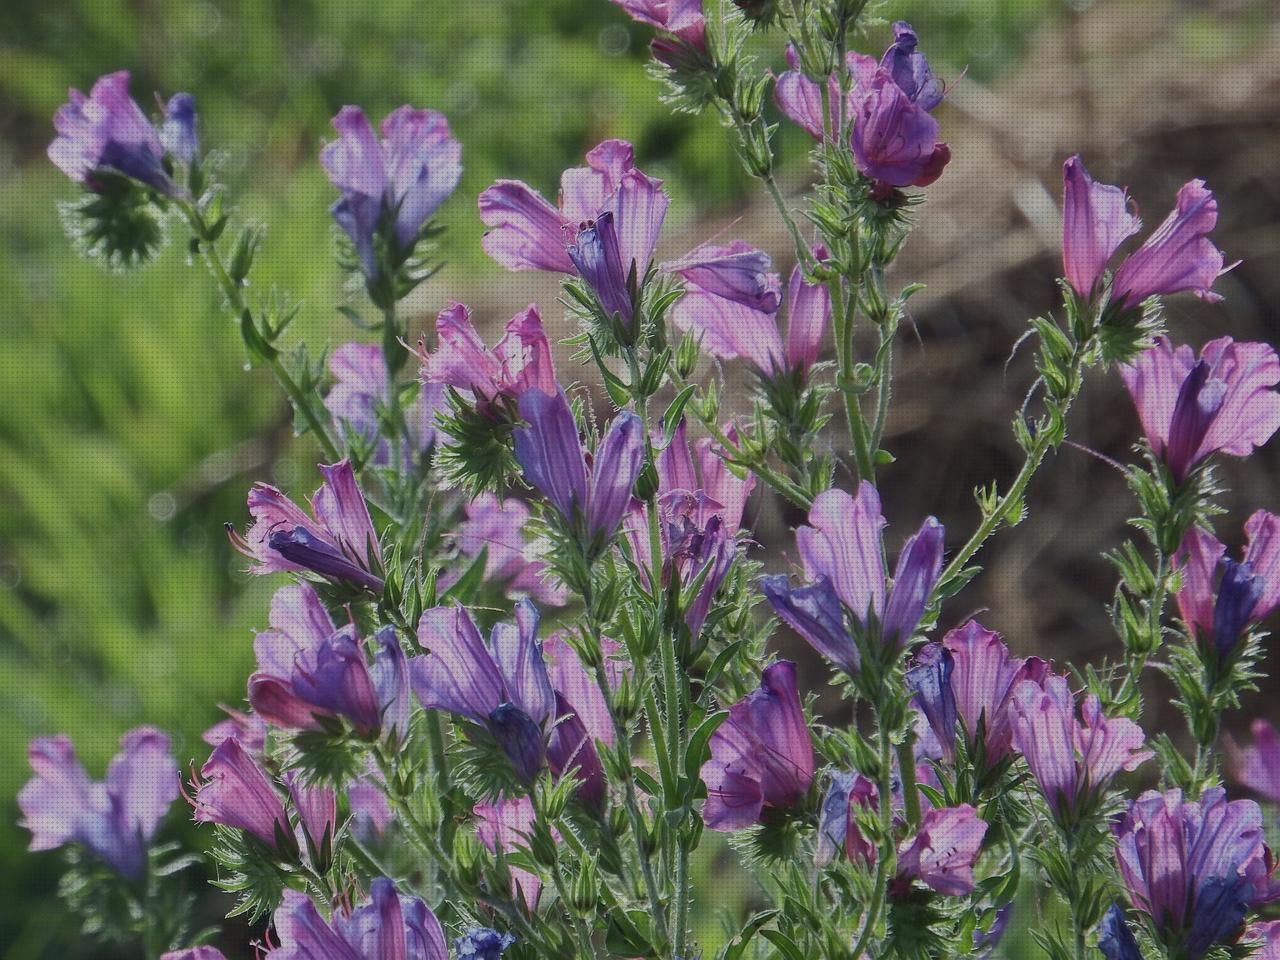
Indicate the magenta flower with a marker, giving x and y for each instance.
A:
(554, 463)
(730, 328)
(843, 560)
(525, 232)
(234, 791)
(761, 756)
(361, 389)
(249, 728)
(1257, 765)
(520, 361)
(1096, 219)
(681, 17)
(387, 927)
(800, 99)
(502, 686)
(317, 807)
(838, 831)
(1192, 866)
(339, 543)
(736, 272)
(498, 526)
(582, 717)
(107, 132)
(1266, 937)
(390, 187)
(310, 672)
(698, 467)
(969, 678)
(115, 818)
(1191, 409)
(371, 813)
(1220, 598)
(504, 826)
(944, 850)
(1074, 755)
(194, 953)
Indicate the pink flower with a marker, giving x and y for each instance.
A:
(1257, 765)
(944, 850)
(498, 526)
(504, 826)
(1096, 219)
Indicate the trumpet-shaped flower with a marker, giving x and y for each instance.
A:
(842, 555)
(338, 542)
(502, 686)
(390, 186)
(1073, 754)
(698, 467)
(554, 463)
(761, 756)
(1191, 409)
(115, 818)
(361, 389)
(108, 132)
(1192, 865)
(1256, 766)
(234, 791)
(942, 853)
(387, 927)
(497, 527)
(504, 826)
(1220, 598)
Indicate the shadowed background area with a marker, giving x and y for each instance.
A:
(130, 429)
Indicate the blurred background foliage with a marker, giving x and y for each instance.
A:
(130, 428)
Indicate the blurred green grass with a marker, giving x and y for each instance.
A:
(130, 428)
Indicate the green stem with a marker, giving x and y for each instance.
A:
(586, 948)
(390, 344)
(887, 852)
(907, 771)
(884, 394)
(235, 296)
(682, 896)
(845, 357)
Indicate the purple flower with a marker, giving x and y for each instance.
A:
(554, 463)
(504, 826)
(1266, 937)
(234, 791)
(736, 272)
(1191, 866)
(1178, 256)
(339, 543)
(730, 327)
(317, 808)
(800, 99)
(1096, 219)
(944, 850)
(582, 717)
(361, 389)
(838, 831)
(498, 526)
(367, 800)
(970, 677)
(1073, 755)
(114, 818)
(194, 953)
(681, 17)
(309, 671)
(250, 729)
(108, 132)
(525, 232)
(395, 183)
(482, 943)
(843, 560)
(597, 255)
(700, 467)
(178, 132)
(1257, 766)
(1115, 939)
(503, 686)
(1191, 409)
(387, 927)
(761, 755)
(520, 361)
(1220, 598)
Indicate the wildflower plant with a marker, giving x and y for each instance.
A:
(524, 657)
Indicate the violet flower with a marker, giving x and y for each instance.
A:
(1221, 598)
(1073, 754)
(249, 728)
(736, 272)
(504, 826)
(194, 953)
(502, 686)
(339, 543)
(554, 463)
(582, 716)
(969, 678)
(310, 672)
(107, 132)
(1191, 865)
(519, 565)
(178, 131)
(317, 807)
(1266, 939)
(520, 361)
(482, 943)
(730, 327)
(1257, 765)
(234, 791)
(1177, 257)
(761, 755)
(843, 560)
(1223, 403)
(698, 467)
(393, 185)
(680, 17)
(800, 99)
(942, 853)
(525, 232)
(115, 818)
(838, 831)
(361, 389)
(387, 927)
(1115, 939)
